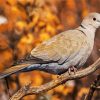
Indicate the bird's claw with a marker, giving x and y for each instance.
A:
(71, 70)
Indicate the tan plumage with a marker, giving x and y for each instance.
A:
(12, 70)
(61, 46)
(63, 51)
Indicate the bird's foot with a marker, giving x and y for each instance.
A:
(71, 70)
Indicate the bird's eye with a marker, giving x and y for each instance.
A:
(94, 19)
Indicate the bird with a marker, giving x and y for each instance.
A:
(64, 52)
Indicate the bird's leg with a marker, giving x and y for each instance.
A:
(72, 69)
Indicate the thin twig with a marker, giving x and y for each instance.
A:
(7, 85)
(54, 83)
(97, 88)
(92, 89)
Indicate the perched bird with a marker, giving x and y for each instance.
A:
(64, 52)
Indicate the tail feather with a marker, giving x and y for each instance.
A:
(13, 70)
(22, 66)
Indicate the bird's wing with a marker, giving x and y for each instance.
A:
(60, 47)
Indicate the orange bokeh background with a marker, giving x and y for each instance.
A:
(30, 22)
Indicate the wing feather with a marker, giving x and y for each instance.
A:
(60, 47)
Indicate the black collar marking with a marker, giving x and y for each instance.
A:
(81, 31)
(82, 26)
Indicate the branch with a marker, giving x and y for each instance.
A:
(94, 86)
(28, 89)
(97, 88)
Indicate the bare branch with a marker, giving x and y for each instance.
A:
(92, 89)
(97, 88)
(28, 89)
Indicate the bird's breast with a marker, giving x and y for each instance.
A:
(86, 52)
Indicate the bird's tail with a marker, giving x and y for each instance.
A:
(13, 69)
(23, 65)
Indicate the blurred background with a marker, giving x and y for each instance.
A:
(26, 23)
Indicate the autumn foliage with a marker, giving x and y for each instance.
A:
(30, 22)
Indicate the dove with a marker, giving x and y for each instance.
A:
(66, 51)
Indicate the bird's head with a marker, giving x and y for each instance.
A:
(93, 20)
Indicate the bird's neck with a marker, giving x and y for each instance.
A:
(88, 30)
